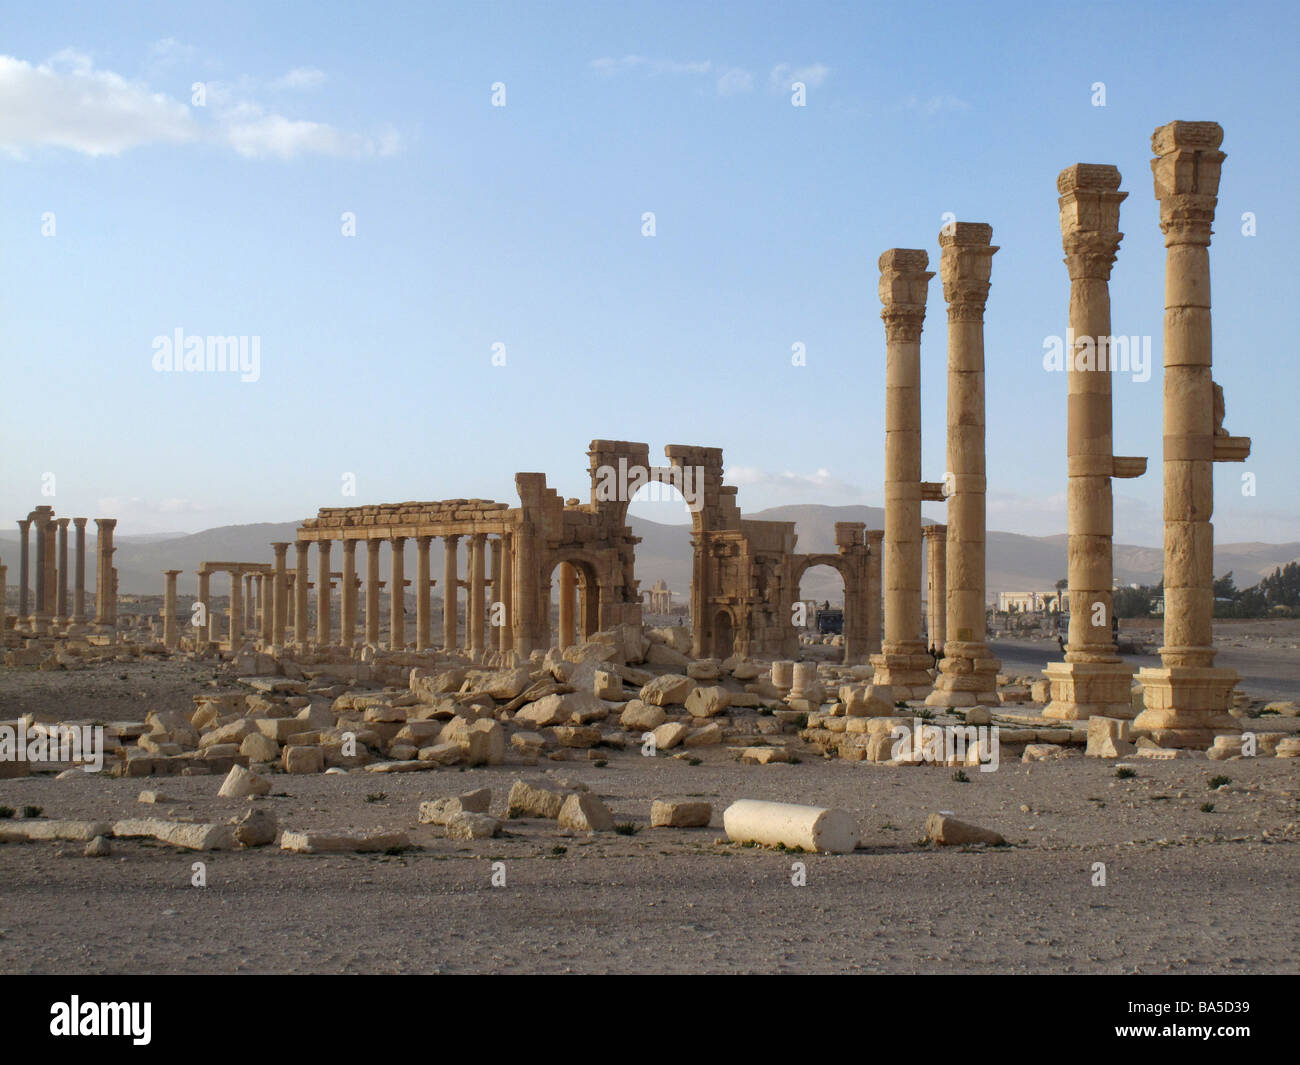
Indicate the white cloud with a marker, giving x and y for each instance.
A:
(774, 488)
(300, 78)
(785, 74)
(933, 105)
(728, 80)
(68, 103)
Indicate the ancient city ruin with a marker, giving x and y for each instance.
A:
(528, 651)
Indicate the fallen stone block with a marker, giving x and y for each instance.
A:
(763, 755)
(184, 834)
(949, 832)
(256, 828)
(537, 798)
(466, 825)
(671, 689)
(583, 812)
(773, 824)
(641, 717)
(335, 842)
(240, 783)
(674, 813)
(440, 811)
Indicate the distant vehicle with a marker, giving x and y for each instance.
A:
(830, 622)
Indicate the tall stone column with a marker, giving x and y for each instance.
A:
(507, 633)
(477, 588)
(24, 568)
(936, 583)
(79, 574)
(280, 593)
(250, 605)
(568, 588)
(266, 611)
(494, 614)
(423, 603)
(171, 632)
(450, 591)
(4, 602)
(903, 663)
(40, 618)
(968, 673)
(1093, 679)
(300, 583)
(397, 596)
(348, 609)
(372, 592)
(105, 598)
(324, 583)
(875, 582)
(203, 637)
(236, 611)
(1187, 697)
(61, 603)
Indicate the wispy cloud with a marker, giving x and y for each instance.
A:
(728, 80)
(68, 103)
(784, 75)
(933, 105)
(300, 78)
(816, 487)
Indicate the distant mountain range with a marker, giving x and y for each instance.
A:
(1016, 563)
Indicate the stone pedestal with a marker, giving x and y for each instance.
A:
(968, 672)
(1093, 679)
(904, 661)
(1186, 699)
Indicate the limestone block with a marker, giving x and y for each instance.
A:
(662, 655)
(536, 798)
(583, 812)
(234, 732)
(440, 811)
(773, 824)
(1108, 737)
(763, 755)
(256, 828)
(36, 830)
(704, 669)
(949, 832)
(671, 689)
(707, 702)
(240, 783)
(259, 748)
(709, 735)
(471, 825)
(1041, 752)
(979, 715)
(607, 685)
(1289, 747)
(549, 710)
(187, 835)
(345, 841)
(303, 760)
(640, 717)
(669, 735)
(677, 813)
(442, 754)
(579, 736)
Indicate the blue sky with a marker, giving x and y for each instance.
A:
(522, 225)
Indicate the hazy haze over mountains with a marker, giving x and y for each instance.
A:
(1015, 562)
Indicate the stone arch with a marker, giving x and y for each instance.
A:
(594, 590)
(724, 633)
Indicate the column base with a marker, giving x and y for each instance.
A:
(1081, 690)
(968, 676)
(1186, 706)
(904, 671)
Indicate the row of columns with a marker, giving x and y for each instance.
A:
(480, 636)
(51, 606)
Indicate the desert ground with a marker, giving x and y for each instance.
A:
(1187, 889)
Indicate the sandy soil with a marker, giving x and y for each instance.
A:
(1186, 890)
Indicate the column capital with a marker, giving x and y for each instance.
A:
(1089, 204)
(63, 523)
(965, 264)
(1186, 170)
(934, 532)
(24, 524)
(904, 281)
(107, 524)
(80, 523)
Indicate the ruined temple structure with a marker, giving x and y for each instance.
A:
(658, 598)
(51, 608)
(745, 576)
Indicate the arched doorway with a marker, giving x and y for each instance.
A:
(724, 635)
(573, 599)
(820, 608)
